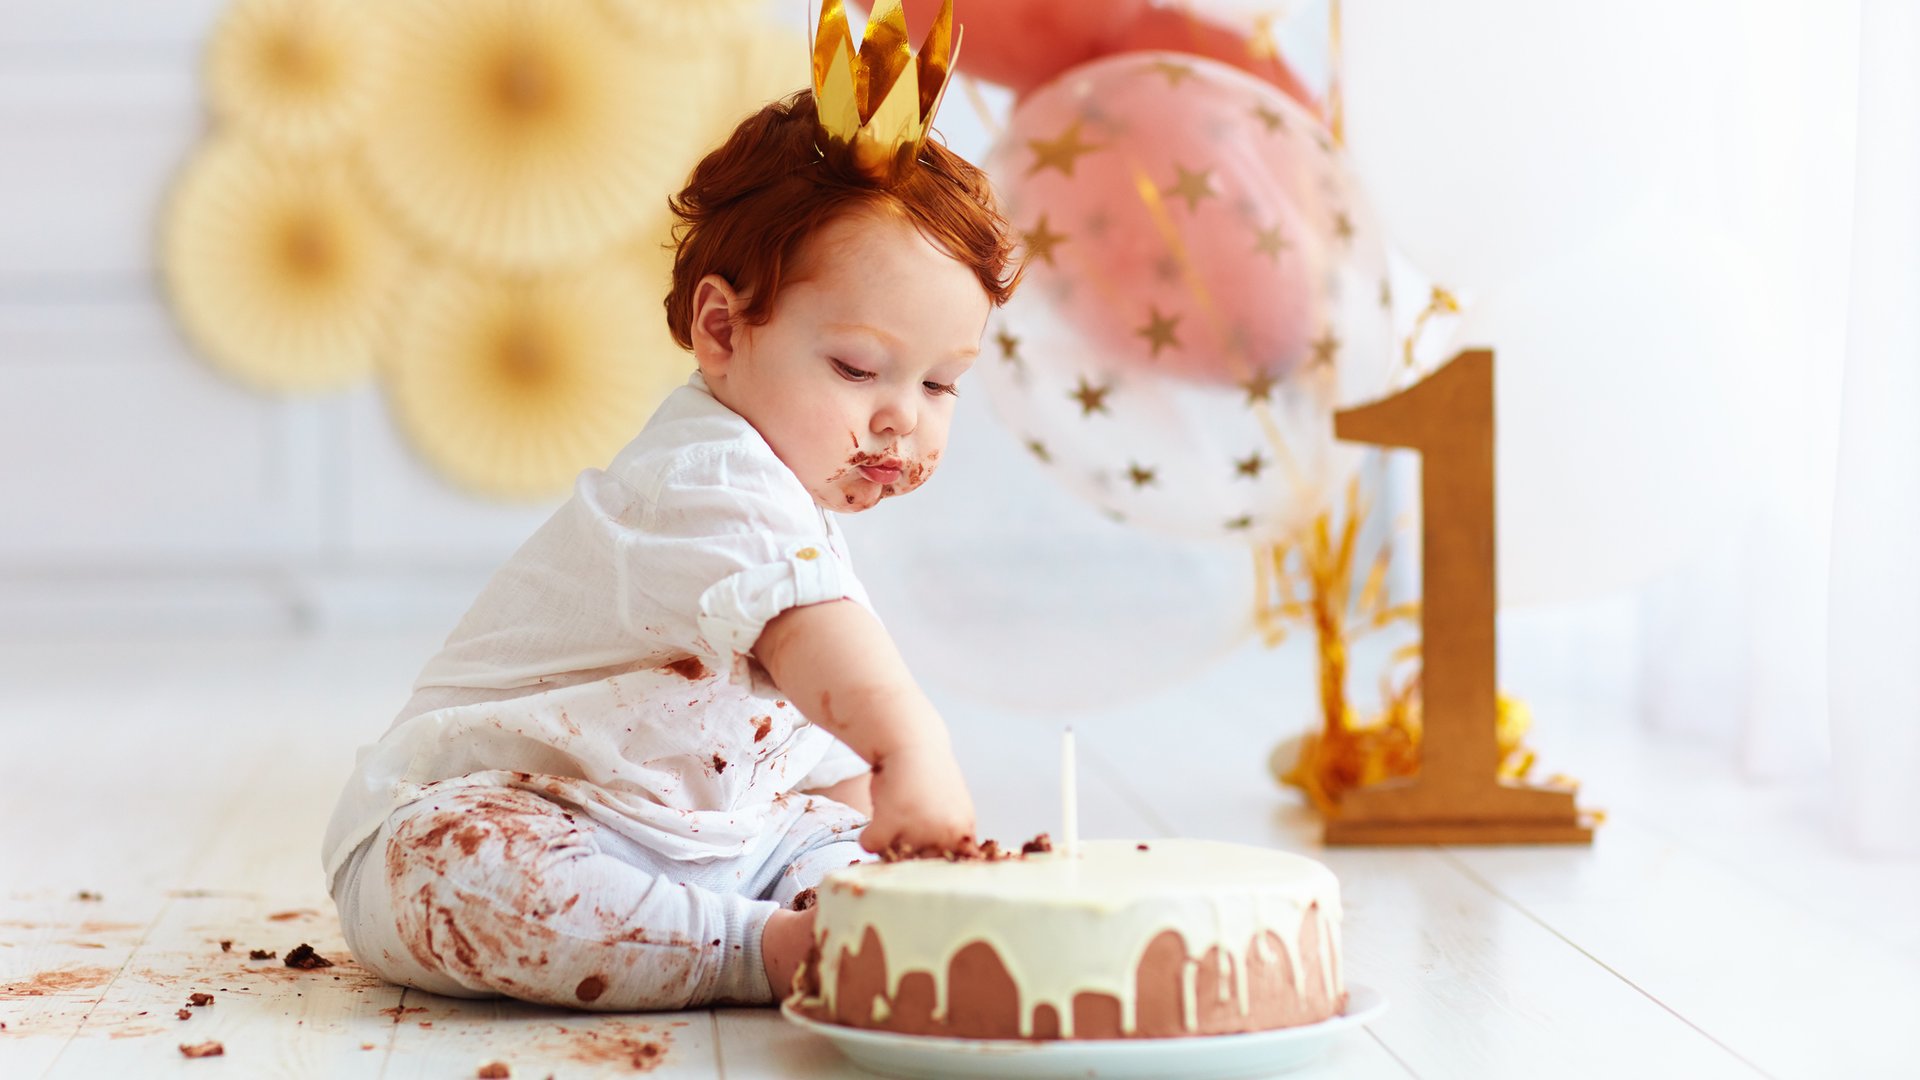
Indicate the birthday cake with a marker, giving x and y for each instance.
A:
(1119, 940)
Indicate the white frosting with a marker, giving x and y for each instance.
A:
(1063, 926)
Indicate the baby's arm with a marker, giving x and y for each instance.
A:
(854, 791)
(841, 669)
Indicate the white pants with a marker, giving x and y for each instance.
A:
(485, 892)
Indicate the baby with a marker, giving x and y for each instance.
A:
(673, 710)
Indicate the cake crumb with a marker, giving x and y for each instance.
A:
(184, 1014)
(305, 958)
(1038, 844)
(494, 1070)
(1140, 847)
(806, 898)
(226, 946)
(88, 894)
(210, 1048)
(197, 998)
(967, 850)
(262, 954)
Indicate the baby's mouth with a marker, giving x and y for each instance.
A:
(882, 469)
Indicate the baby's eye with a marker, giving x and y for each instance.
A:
(851, 373)
(941, 388)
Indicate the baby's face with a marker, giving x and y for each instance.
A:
(852, 379)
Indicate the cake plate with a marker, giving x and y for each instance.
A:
(1206, 1057)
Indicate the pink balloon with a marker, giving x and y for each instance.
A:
(1020, 44)
(1180, 29)
(1023, 44)
(1183, 214)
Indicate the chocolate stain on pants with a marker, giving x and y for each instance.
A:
(499, 891)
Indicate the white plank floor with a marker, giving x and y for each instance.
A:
(1712, 930)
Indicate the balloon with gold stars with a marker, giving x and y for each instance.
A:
(1205, 286)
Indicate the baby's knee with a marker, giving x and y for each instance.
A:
(489, 839)
(470, 886)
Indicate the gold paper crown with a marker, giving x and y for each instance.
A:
(877, 106)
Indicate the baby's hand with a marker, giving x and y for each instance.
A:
(920, 801)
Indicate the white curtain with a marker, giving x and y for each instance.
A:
(1874, 637)
(1799, 631)
(1693, 240)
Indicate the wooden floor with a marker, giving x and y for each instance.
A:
(1711, 931)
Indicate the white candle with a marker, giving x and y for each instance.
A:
(1069, 798)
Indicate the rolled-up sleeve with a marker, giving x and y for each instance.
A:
(735, 609)
(729, 539)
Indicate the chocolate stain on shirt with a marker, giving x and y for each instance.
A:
(689, 668)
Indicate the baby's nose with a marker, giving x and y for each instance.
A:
(894, 419)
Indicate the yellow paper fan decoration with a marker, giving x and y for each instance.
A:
(522, 135)
(298, 75)
(511, 387)
(278, 270)
(679, 21)
(764, 65)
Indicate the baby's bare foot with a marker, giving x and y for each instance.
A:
(783, 945)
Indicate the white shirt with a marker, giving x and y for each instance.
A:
(608, 661)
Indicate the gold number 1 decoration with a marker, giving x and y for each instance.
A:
(1457, 797)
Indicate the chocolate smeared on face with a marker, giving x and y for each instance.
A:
(913, 471)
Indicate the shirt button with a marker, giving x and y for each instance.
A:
(807, 553)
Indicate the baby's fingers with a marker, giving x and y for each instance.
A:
(879, 836)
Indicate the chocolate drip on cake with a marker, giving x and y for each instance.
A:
(1200, 944)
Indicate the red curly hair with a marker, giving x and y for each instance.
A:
(751, 205)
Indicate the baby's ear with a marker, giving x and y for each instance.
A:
(712, 328)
